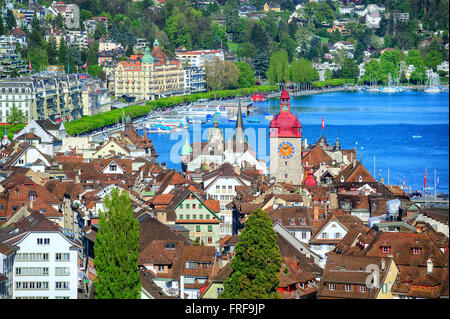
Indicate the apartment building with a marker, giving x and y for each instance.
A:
(46, 261)
(149, 76)
(42, 96)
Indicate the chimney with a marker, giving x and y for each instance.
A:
(383, 264)
(181, 287)
(141, 174)
(316, 212)
(429, 266)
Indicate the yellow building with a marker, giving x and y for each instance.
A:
(274, 7)
(388, 281)
(149, 76)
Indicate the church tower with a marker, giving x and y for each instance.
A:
(285, 145)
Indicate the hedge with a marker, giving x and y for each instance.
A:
(93, 122)
(332, 82)
(11, 130)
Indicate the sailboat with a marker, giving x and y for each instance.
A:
(433, 84)
(389, 88)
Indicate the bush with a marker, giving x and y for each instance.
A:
(93, 122)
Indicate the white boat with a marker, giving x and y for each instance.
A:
(417, 136)
(433, 84)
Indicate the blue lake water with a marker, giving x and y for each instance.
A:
(380, 125)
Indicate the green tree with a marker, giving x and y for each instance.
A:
(16, 116)
(349, 69)
(52, 52)
(62, 53)
(433, 59)
(246, 75)
(116, 250)
(257, 263)
(100, 30)
(94, 70)
(278, 70)
(2, 26)
(10, 20)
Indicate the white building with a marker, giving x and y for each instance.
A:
(220, 185)
(46, 261)
(200, 57)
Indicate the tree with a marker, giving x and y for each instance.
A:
(94, 70)
(16, 116)
(349, 69)
(2, 26)
(278, 70)
(100, 30)
(433, 59)
(257, 263)
(10, 20)
(260, 62)
(246, 75)
(52, 52)
(221, 75)
(116, 250)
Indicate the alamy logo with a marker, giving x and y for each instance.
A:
(73, 22)
(373, 280)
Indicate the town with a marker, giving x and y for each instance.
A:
(81, 95)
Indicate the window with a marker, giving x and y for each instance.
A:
(181, 216)
(324, 235)
(197, 228)
(362, 288)
(62, 285)
(331, 286)
(194, 206)
(416, 251)
(337, 235)
(291, 221)
(191, 265)
(385, 249)
(188, 216)
(209, 228)
(43, 241)
(113, 167)
(201, 217)
(62, 257)
(219, 291)
(187, 206)
(200, 206)
(303, 235)
(160, 268)
(209, 240)
(347, 287)
(181, 206)
(62, 271)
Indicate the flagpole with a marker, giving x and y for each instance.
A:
(434, 184)
(388, 176)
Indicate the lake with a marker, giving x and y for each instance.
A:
(380, 125)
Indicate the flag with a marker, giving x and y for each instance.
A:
(31, 68)
(323, 124)
(404, 186)
(425, 179)
(85, 65)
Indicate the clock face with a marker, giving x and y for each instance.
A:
(286, 150)
(284, 107)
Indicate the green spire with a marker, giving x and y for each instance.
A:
(147, 58)
(186, 149)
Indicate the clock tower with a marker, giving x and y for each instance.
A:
(285, 145)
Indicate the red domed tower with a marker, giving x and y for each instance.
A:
(285, 144)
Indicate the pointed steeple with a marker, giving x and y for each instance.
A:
(239, 135)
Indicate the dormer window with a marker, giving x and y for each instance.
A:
(385, 249)
(360, 179)
(292, 221)
(342, 179)
(416, 251)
